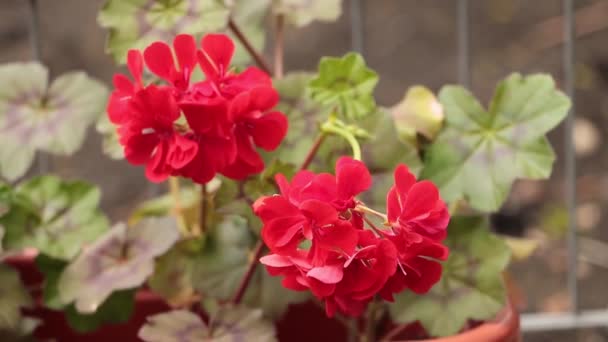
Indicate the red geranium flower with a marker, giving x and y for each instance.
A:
(416, 206)
(227, 115)
(286, 226)
(365, 274)
(351, 179)
(118, 105)
(254, 125)
(346, 264)
(149, 137)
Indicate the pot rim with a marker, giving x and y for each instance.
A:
(504, 326)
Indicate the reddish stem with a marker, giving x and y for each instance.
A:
(247, 44)
(393, 333)
(240, 293)
(278, 46)
(313, 151)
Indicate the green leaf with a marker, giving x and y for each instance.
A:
(382, 153)
(56, 217)
(51, 269)
(224, 259)
(227, 324)
(300, 13)
(13, 297)
(111, 147)
(172, 278)
(116, 309)
(480, 153)
(36, 116)
(6, 195)
(134, 24)
(471, 286)
(303, 116)
(121, 259)
(345, 85)
(223, 263)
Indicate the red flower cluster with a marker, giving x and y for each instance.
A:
(228, 114)
(316, 232)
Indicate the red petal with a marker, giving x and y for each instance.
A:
(330, 274)
(276, 260)
(404, 180)
(272, 207)
(341, 236)
(393, 205)
(282, 232)
(264, 98)
(123, 83)
(156, 168)
(322, 187)
(269, 130)
(185, 50)
(352, 177)
(139, 148)
(181, 151)
(136, 65)
(319, 212)
(209, 118)
(159, 60)
(216, 54)
(240, 107)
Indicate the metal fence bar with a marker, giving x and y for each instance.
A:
(570, 157)
(464, 53)
(42, 160)
(356, 26)
(564, 321)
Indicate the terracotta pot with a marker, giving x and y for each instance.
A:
(504, 328)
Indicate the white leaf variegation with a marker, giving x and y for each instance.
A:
(121, 259)
(227, 324)
(37, 116)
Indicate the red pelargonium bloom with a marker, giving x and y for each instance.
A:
(416, 206)
(255, 124)
(365, 274)
(228, 115)
(286, 226)
(351, 179)
(417, 259)
(149, 137)
(347, 264)
(118, 105)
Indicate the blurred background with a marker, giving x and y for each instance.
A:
(409, 42)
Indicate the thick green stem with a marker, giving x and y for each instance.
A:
(177, 206)
(348, 136)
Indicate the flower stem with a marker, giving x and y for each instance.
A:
(313, 151)
(348, 136)
(204, 209)
(257, 254)
(177, 206)
(363, 209)
(248, 46)
(393, 333)
(370, 324)
(278, 46)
